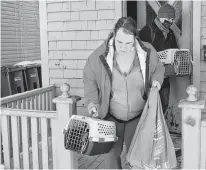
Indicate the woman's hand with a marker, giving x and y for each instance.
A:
(156, 83)
(93, 112)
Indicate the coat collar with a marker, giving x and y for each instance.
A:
(140, 48)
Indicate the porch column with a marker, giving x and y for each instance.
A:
(66, 107)
(191, 129)
(1, 167)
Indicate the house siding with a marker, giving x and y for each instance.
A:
(20, 33)
(203, 62)
(75, 29)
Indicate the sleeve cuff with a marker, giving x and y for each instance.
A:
(91, 104)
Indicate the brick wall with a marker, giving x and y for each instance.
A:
(203, 62)
(75, 29)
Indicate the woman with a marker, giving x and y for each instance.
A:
(117, 78)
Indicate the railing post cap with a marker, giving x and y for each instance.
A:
(192, 93)
(65, 97)
(191, 101)
(65, 88)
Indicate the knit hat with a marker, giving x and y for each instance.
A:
(166, 11)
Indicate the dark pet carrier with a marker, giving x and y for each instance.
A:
(89, 136)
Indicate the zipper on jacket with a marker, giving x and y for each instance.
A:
(126, 78)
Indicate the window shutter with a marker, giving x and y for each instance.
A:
(20, 33)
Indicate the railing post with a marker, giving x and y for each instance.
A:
(1, 167)
(66, 107)
(203, 145)
(191, 129)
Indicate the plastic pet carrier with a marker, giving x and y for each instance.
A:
(180, 59)
(89, 136)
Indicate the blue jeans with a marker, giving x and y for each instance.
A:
(125, 132)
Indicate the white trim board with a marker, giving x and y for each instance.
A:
(44, 42)
(196, 32)
(0, 43)
(118, 9)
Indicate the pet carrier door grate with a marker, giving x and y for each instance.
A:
(182, 63)
(89, 136)
(75, 137)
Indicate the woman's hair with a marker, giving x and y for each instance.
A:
(128, 25)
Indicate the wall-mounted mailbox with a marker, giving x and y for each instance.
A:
(204, 52)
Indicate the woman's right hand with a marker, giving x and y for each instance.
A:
(93, 112)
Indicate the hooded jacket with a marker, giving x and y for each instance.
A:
(97, 74)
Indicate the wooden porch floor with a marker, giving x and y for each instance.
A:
(97, 162)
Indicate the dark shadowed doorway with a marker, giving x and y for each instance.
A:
(132, 9)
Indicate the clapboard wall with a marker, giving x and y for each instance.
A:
(20, 33)
(74, 30)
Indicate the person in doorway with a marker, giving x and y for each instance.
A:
(161, 36)
(117, 78)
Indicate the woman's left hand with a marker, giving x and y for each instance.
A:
(156, 83)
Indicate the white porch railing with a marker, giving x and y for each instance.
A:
(26, 157)
(29, 141)
(17, 125)
(38, 99)
(31, 130)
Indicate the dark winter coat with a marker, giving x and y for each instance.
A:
(158, 41)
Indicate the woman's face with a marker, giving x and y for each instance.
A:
(123, 41)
